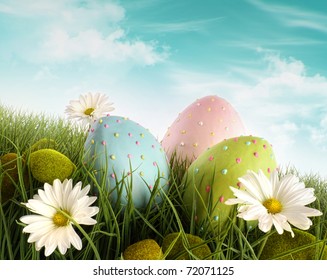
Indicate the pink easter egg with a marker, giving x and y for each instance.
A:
(204, 123)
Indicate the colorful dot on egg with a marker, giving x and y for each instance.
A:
(153, 146)
(129, 156)
(130, 134)
(254, 141)
(212, 133)
(195, 145)
(216, 218)
(150, 187)
(108, 115)
(225, 148)
(106, 126)
(198, 104)
(239, 184)
(211, 158)
(142, 135)
(92, 129)
(209, 109)
(142, 157)
(155, 163)
(223, 108)
(112, 176)
(200, 123)
(116, 134)
(189, 116)
(137, 143)
(265, 146)
(196, 170)
(92, 141)
(103, 143)
(208, 188)
(268, 170)
(224, 171)
(183, 131)
(238, 160)
(221, 199)
(113, 157)
(247, 143)
(226, 128)
(256, 154)
(182, 144)
(100, 121)
(118, 121)
(141, 173)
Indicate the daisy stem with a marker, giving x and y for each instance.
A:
(262, 245)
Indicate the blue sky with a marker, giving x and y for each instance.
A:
(155, 57)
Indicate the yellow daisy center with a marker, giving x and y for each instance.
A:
(273, 205)
(60, 220)
(89, 111)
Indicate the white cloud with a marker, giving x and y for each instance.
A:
(60, 46)
(181, 26)
(44, 74)
(69, 30)
(294, 16)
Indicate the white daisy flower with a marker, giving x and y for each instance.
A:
(56, 208)
(89, 107)
(274, 202)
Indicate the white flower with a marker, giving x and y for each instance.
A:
(49, 227)
(89, 107)
(274, 202)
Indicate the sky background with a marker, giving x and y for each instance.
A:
(153, 58)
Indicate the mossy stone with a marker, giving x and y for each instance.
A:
(279, 243)
(43, 143)
(46, 165)
(10, 176)
(147, 249)
(178, 251)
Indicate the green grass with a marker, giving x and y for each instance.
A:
(117, 229)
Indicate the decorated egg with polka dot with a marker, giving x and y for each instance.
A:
(204, 123)
(209, 177)
(128, 159)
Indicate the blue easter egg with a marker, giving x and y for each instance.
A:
(129, 159)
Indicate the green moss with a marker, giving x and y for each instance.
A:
(279, 243)
(43, 143)
(177, 249)
(147, 249)
(46, 165)
(9, 175)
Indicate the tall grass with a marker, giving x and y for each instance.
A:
(116, 229)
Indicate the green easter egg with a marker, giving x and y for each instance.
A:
(147, 249)
(209, 177)
(173, 243)
(278, 244)
(47, 165)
